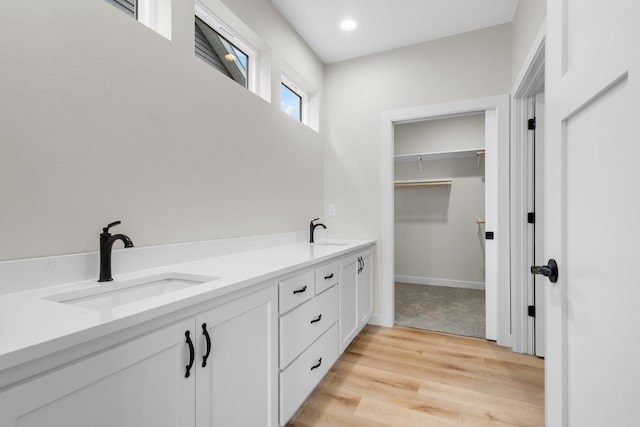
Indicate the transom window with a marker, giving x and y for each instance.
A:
(291, 102)
(219, 52)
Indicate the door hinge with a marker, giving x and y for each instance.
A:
(531, 311)
(531, 124)
(531, 217)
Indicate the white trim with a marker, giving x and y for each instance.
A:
(376, 319)
(220, 27)
(156, 15)
(523, 79)
(499, 104)
(530, 80)
(448, 283)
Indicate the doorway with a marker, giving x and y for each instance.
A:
(497, 231)
(440, 225)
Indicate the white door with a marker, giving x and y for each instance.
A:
(365, 288)
(348, 300)
(592, 205)
(238, 384)
(138, 384)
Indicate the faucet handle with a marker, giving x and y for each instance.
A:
(105, 230)
(314, 220)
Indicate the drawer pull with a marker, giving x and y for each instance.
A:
(330, 276)
(317, 319)
(192, 354)
(208, 339)
(317, 365)
(301, 290)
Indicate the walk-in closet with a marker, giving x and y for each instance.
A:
(440, 224)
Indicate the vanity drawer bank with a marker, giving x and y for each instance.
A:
(227, 345)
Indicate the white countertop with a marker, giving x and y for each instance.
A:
(32, 327)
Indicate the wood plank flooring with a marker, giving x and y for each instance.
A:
(410, 377)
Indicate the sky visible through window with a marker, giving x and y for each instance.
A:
(291, 102)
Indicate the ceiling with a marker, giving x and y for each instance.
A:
(387, 24)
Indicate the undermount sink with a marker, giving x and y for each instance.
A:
(116, 293)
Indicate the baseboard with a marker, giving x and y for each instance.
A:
(440, 282)
(376, 319)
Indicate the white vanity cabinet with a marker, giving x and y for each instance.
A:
(238, 387)
(356, 295)
(139, 383)
(143, 383)
(253, 355)
(309, 338)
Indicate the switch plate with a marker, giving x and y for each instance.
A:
(332, 209)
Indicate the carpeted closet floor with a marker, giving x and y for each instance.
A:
(442, 309)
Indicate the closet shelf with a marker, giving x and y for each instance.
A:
(440, 155)
(422, 183)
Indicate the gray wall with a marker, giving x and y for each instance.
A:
(103, 119)
(436, 235)
(526, 23)
(469, 65)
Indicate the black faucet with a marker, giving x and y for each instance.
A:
(312, 228)
(106, 245)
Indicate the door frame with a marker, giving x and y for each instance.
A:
(498, 300)
(529, 82)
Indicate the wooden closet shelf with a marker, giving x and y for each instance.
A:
(422, 183)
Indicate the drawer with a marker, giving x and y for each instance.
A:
(302, 326)
(296, 290)
(304, 374)
(327, 276)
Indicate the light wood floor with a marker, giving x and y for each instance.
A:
(409, 377)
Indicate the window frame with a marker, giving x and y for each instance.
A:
(287, 82)
(233, 38)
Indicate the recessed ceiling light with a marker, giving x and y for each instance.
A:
(230, 57)
(348, 25)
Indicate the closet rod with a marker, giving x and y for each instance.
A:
(429, 183)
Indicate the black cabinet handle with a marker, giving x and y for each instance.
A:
(208, 339)
(301, 290)
(330, 276)
(317, 365)
(317, 319)
(192, 354)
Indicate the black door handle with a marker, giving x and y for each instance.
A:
(192, 354)
(317, 319)
(208, 339)
(330, 276)
(299, 291)
(550, 270)
(317, 365)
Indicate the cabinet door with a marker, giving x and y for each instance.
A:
(365, 289)
(139, 383)
(239, 384)
(348, 300)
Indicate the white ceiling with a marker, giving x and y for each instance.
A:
(387, 24)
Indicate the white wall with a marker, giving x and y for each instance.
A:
(526, 23)
(469, 65)
(436, 234)
(103, 119)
